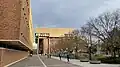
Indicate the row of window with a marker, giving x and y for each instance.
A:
(25, 15)
(42, 34)
(27, 2)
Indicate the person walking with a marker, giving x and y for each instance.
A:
(50, 55)
(68, 57)
(30, 53)
(60, 56)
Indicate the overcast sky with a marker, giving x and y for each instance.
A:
(68, 13)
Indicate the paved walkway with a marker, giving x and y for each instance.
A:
(56, 63)
(42, 61)
(87, 64)
(29, 62)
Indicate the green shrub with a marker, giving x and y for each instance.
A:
(98, 56)
(110, 60)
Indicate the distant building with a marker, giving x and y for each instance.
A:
(16, 36)
(48, 37)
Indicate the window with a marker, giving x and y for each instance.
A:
(28, 11)
(27, 4)
(21, 33)
(23, 8)
(27, 25)
(25, 17)
(24, 14)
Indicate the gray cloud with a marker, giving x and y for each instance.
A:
(68, 13)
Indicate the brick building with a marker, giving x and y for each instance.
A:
(48, 37)
(15, 30)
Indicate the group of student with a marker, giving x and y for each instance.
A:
(67, 56)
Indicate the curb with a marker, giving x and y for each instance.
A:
(15, 62)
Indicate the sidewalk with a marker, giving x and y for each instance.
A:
(29, 62)
(51, 62)
(87, 64)
(42, 61)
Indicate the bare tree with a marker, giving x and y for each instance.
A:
(103, 27)
(72, 40)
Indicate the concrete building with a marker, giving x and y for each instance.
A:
(15, 30)
(47, 37)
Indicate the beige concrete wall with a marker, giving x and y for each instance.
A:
(31, 25)
(45, 45)
(54, 32)
(31, 30)
(9, 56)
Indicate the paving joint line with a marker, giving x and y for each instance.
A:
(15, 62)
(42, 61)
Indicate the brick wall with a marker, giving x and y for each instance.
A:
(24, 23)
(9, 19)
(14, 21)
(9, 55)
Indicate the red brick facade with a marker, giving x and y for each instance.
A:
(14, 30)
(9, 19)
(14, 21)
(8, 55)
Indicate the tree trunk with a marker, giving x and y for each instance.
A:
(118, 50)
(114, 52)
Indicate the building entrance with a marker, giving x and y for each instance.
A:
(40, 46)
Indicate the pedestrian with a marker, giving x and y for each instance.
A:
(68, 57)
(60, 56)
(50, 55)
(30, 53)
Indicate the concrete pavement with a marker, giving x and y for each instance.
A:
(49, 62)
(42, 61)
(29, 62)
(87, 64)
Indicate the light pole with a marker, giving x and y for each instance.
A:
(98, 47)
(90, 42)
(89, 46)
(75, 52)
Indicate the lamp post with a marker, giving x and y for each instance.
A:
(75, 52)
(89, 46)
(90, 42)
(98, 47)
